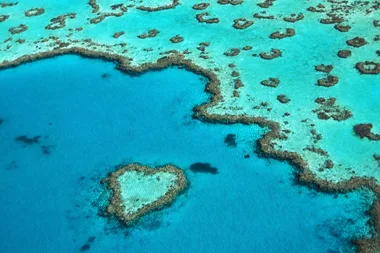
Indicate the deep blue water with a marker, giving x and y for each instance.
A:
(89, 123)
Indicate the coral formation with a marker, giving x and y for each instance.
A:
(34, 12)
(328, 109)
(368, 67)
(242, 23)
(324, 68)
(201, 18)
(356, 42)
(344, 53)
(272, 82)
(168, 181)
(283, 99)
(60, 21)
(201, 6)
(118, 34)
(274, 53)
(150, 34)
(176, 39)
(290, 32)
(329, 81)
(3, 18)
(294, 18)
(18, 29)
(364, 130)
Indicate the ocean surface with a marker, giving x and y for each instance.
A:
(80, 118)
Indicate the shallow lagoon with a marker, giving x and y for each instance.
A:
(91, 118)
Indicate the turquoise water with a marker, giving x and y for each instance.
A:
(91, 118)
(314, 43)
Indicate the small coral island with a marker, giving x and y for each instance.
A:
(137, 190)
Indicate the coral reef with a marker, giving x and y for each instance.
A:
(364, 130)
(368, 67)
(176, 39)
(3, 18)
(172, 5)
(356, 42)
(283, 99)
(150, 34)
(328, 109)
(129, 209)
(60, 21)
(344, 53)
(232, 52)
(242, 23)
(18, 29)
(294, 18)
(118, 34)
(329, 81)
(272, 82)
(274, 53)
(324, 68)
(201, 18)
(290, 32)
(201, 6)
(34, 12)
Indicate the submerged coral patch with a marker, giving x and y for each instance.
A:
(329, 81)
(242, 23)
(150, 34)
(28, 140)
(290, 32)
(232, 52)
(272, 82)
(118, 34)
(203, 168)
(263, 15)
(329, 109)
(283, 99)
(3, 18)
(342, 28)
(232, 2)
(274, 53)
(18, 29)
(324, 68)
(344, 53)
(368, 67)
(34, 12)
(266, 3)
(364, 130)
(318, 8)
(118, 10)
(171, 5)
(230, 140)
(294, 18)
(201, 6)
(4, 5)
(356, 42)
(176, 39)
(202, 18)
(60, 21)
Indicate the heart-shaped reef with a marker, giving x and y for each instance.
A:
(137, 190)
